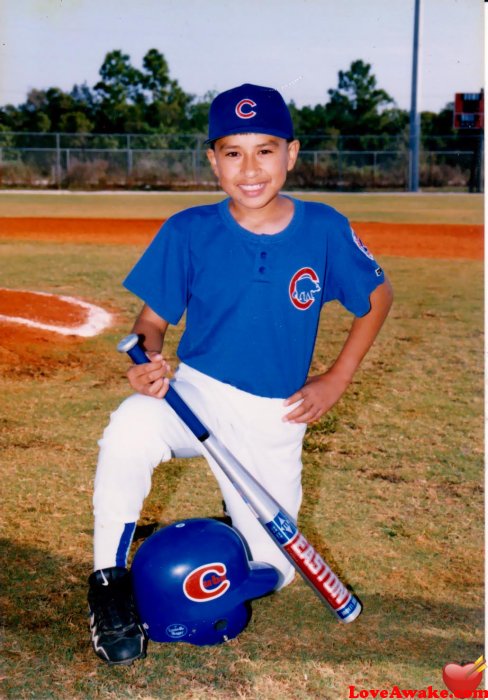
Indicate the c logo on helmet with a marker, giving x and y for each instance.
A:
(206, 582)
(303, 286)
(242, 110)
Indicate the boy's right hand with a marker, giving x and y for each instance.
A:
(150, 378)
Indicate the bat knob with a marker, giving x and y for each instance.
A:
(127, 343)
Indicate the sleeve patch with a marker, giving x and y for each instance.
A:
(361, 245)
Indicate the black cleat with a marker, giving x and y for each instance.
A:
(116, 632)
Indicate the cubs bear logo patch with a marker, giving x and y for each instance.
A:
(206, 582)
(304, 286)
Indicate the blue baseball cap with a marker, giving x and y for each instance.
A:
(249, 109)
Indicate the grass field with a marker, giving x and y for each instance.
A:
(393, 485)
(418, 208)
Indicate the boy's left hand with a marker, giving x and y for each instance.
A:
(317, 396)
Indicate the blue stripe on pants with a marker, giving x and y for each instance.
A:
(124, 544)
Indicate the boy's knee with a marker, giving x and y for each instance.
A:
(135, 435)
(287, 576)
(136, 409)
(138, 416)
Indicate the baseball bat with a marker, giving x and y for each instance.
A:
(280, 526)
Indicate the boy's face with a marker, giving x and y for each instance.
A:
(252, 168)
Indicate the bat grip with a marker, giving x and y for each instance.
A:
(130, 345)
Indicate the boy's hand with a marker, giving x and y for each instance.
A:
(317, 396)
(150, 378)
(320, 393)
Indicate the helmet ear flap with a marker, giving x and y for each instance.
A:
(193, 582)
(262, 580)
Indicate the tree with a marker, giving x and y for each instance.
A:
(167, 105)
(155, 77)
(139, 101)
(33, 114)
(148, 100)
(312, 126)
(356, 106)
(10, 118)
(439, 134)
(197, 113)
(75, 122)
(119, 95)
(84, 100)
(435, 127)
(120, 82)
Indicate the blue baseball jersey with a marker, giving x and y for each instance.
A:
(253, 301)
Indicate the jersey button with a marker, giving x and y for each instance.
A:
(264, 255)
(262, 270)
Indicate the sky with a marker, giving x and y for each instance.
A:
(296, 46)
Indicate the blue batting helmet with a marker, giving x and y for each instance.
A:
(193, 582)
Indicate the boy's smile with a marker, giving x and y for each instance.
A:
(252, 169)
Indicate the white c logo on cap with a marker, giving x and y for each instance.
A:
(245, 114)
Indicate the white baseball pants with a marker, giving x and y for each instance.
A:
(144, 432)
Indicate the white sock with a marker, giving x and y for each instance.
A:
(112, 542)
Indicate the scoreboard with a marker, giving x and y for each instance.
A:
(469, 110)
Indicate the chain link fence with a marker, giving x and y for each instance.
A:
(178, 162)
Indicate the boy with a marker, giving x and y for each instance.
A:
(252, 273)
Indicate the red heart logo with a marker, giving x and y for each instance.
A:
(461, 680)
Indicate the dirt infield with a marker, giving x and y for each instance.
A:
(50, 310)
(31, 349)
(34, 325)
(411, 240)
